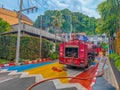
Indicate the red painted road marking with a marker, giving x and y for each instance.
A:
(90, 74)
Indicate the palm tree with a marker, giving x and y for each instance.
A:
(110, 13)
(57, 23)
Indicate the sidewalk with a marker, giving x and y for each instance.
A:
(107, 81)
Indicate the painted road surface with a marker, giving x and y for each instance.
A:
(86, 77)
(50, 71)
(53, 70)
(26, 67)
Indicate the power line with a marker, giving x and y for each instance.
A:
(28, 3)
(55, 4)
(40, 4)
(46, 3)
(31, 2)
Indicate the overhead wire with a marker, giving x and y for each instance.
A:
(32, 2)
(28, 3)
(38, 3)
(54, 4)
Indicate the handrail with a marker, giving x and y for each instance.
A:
(36, 31)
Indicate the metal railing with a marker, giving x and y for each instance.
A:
(33, 30)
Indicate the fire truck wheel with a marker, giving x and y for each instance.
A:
(90, 59)
(87, 66)
(68, 66)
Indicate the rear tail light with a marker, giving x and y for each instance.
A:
(82, 51)
(82, 54)
(61, 54)
(82, 61)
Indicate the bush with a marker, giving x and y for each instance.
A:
(57, 47)
(47, 47)
(116, 59)
(113, 55)
(2, 61)
(54, 56)
(29, 47)
(104, 46)
(117, 63)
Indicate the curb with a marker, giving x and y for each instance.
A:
(25, 63)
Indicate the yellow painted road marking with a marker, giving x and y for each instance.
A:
(47, 71)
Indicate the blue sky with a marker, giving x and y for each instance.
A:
(87, 7)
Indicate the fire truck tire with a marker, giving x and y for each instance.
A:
(90, 59)
(68, 66)
(88, 65)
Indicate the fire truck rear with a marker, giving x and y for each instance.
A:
(76, 53)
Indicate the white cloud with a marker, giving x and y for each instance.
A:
(87, 7)
(90, 12)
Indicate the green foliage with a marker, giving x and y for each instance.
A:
(51, 30)
(57, 47)
(7, 47)
(57, 19)
(29, 47)
(110, 13)
(47, 46)
(113, 55)
(117, 63)
(54, 56)
(104, 46)
(116, 58)
(62, 19)
(3, 61)
(4, 26)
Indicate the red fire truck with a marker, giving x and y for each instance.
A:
(76, 52)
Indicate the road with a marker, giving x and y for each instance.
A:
(27, 75)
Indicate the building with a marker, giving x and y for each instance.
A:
(12, 17)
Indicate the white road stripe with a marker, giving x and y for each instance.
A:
(6, 80)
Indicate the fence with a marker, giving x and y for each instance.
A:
(116, 72)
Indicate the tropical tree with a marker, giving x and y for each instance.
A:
(79, 21)
(110, 12)
(57, 23)
(4, 26)
(66, 14)
(110, 16)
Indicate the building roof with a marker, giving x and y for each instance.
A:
(12, 17)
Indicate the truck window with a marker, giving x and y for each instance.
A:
(71, 52)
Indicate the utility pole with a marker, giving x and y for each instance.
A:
(19, 30)
(40, 36)
(70, 27)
